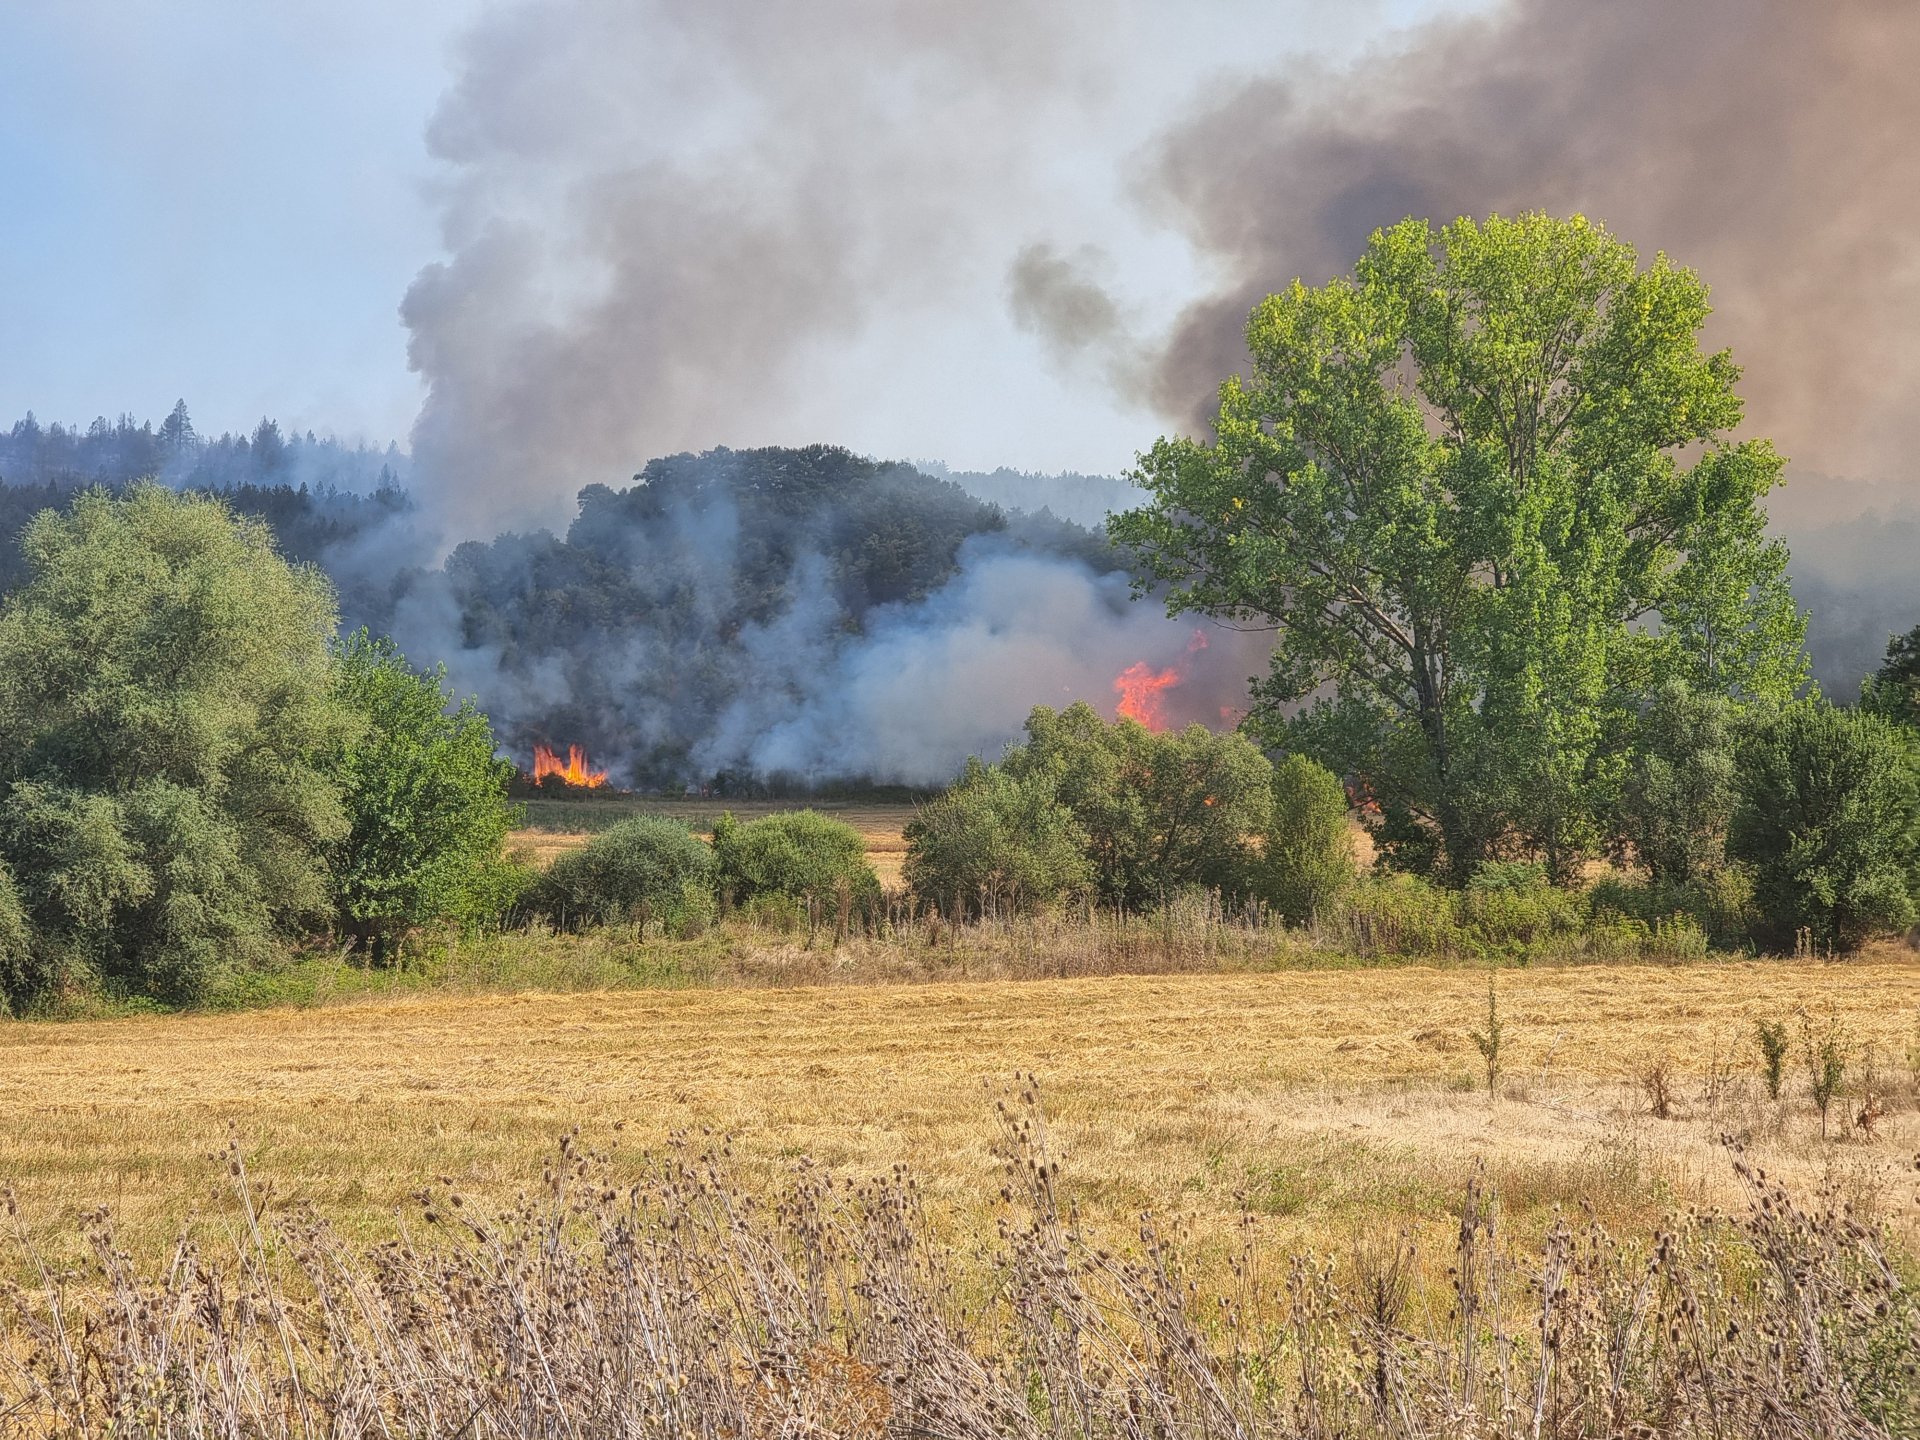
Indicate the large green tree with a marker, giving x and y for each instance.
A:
(165, 689)
(1483, 491)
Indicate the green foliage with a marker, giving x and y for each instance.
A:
(1826, 1051)
(645, 869)
(797, 854)
(1161, 812)
(425, 799)
(1893, 691)
(1774, 1043)
(1306, 858)
(165, 687)
(1511, 906)
(1829, 819)
(20, 960)
(1718, 902)
(1453, 485)
(996, 843)
(1680, 789)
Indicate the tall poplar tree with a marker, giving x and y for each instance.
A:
(1484, 492)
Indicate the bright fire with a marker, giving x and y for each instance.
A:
(1143, 693)
(574, 772)
(1142, 689)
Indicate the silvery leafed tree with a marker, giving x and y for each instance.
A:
(1484, 492)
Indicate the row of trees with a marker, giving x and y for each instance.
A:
(117, 452)
(193, 766)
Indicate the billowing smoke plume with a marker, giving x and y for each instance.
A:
(660, 211)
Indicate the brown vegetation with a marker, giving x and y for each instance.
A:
(673, 1302)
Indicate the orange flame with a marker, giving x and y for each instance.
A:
(1141, 689)
(574, 772)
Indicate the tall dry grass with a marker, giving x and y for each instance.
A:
(681, 1305)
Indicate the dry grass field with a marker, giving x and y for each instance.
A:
(1323, 1103)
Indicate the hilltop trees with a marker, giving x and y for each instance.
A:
(1459, 483)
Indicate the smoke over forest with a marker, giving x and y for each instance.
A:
(667, 226)
(797, 616)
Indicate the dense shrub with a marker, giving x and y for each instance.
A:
(1512, 908)
(647, 869)
(21, 976)
(1829, 819)
(995, 843)
(425, 799)
(1679, 793)
(1161, 812)
(798, 855)
(1307, 855)
(1396, 914)
(165, 689)
(1718, 903)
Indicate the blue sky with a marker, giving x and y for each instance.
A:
(221, 201)
(227, 201)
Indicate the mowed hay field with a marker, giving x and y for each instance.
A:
(557, 826)
(1323, 1103)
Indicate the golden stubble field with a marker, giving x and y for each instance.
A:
(1325, 1103)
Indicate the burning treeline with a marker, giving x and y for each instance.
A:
(573, 771)
(797, 615)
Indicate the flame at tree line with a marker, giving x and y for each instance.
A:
(1142, 689)
(574, 772)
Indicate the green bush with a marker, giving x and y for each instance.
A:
(1398, 915)
(22, 976)
(1160, 812)
(644, 870)
(1511, 908)
(995, 844)
(165, 691)
(800, 855)
(426, 801)
(1306, 858)
(1829, 819)
(1679, 793)
(1718, 903)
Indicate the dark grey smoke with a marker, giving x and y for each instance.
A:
(1766, 143)
(662, 216)
(1064, 299)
